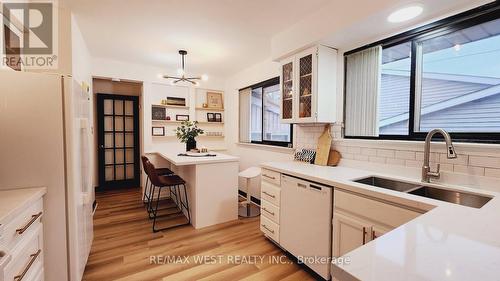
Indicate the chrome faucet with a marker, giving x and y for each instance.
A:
(427, 174)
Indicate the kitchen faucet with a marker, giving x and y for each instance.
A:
(427, 174)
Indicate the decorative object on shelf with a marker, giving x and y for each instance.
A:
(176, 101)
(324, 144)
(204, 105)
(334, 158)
(187, 133)
(181, 117)
(158, 131)
(211, 117)
(214, 100)
(163, 102)
(167, 118)
(218, 117)
(305, 155)
(213, 134)
(158, 113)
(182, 73)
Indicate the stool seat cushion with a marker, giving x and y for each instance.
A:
(249, 173)
(171, 180)
(164, 171)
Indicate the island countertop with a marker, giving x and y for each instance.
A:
(174, 158)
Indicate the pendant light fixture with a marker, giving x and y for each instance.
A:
(181, 72)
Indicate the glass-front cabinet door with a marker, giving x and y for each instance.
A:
(306, 62)
(287, 90)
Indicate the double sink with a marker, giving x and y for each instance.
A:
(451, 196)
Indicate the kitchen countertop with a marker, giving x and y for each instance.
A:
(447, 242)
(174, 158)
(12, 200)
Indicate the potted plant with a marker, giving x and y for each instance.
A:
(187, 132)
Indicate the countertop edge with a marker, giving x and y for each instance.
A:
(38, 192)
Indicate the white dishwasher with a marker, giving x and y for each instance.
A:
(306, 222)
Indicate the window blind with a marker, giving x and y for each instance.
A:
(245, 96)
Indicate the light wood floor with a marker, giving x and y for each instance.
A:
(124, 244)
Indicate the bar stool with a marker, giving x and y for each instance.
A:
(172, 182)
(247, 208)
(160, 171)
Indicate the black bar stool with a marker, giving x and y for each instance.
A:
(174, 184)
(160, 171)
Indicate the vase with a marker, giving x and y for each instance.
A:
(190, 144)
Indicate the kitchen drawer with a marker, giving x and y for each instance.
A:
(26, 258)
(372, 209)
(271, 229)
(270, 211)
(270, 193)
(271, 177)
(22, 225)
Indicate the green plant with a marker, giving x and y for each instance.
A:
(188, 130)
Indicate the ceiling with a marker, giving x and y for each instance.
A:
(221, 36)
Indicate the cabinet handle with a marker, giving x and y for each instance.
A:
(268, 194)
(269, 177)
(28, 266)
(374, 236)
(364, 235)
(269, 212)
(302, 185)
(33, 219)
(270, 230)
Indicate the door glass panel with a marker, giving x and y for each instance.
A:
(130, 171)
(109, 156)
(305, 87)
(109, 173)
(119, 156)
(129, 124)
(118, 107)
(118, 123)
(108, 106)
(120, 172)
(129, 140)
(129, 155)
(108, 123)
(129, 107)
(108, 140)
(287, 90)
(119, 139)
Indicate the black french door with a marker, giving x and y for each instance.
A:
(118, 141)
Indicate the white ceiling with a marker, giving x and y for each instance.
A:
(221, 36)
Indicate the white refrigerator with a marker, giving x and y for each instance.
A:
(45, 140)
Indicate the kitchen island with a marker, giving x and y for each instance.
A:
(211, 181)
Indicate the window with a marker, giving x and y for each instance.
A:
(264, 124)
(444, 75)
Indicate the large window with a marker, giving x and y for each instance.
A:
(264, 115)
(445, 75)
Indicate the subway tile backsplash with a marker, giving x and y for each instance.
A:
(477, 164)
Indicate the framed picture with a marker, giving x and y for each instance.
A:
(211, 117)
(214, 100)
(158, 131)
(158, 113)
(218, 117)
(176, 101)
(180, 117)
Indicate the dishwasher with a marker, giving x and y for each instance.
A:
(306, 222)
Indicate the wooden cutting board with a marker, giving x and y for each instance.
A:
(334, 158)
(323, 150)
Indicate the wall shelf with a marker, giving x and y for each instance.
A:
(171, 106)
(168, 121)
(210, 123)
(210, 109)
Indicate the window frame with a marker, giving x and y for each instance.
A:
(268, 83)
(481, 14)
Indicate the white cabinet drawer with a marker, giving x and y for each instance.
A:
(271, 177)
(270, 193)
(271, 229)
(27, 258)
(22, 225)
(270, 211)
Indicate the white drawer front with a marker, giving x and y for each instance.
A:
(270, 193)
(22, 225)
(270, 211)
(271, 229)
(271, 177)
(27, 257)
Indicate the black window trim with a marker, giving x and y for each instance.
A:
(481, 14)
(268, 83)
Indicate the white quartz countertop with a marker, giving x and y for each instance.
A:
(448, 242)
(174, 158)
(12, 200)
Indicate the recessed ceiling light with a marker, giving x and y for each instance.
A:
(405, 14)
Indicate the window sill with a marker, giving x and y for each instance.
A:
(268, 147)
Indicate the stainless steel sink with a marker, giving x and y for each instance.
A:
(388, 184)
(452, 196)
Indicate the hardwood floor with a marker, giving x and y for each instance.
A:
(125, 248)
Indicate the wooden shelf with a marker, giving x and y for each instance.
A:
(171, 106)
(210, 123)
(210, 109)
(168, 121)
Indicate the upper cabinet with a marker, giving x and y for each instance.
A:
(308, 86)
